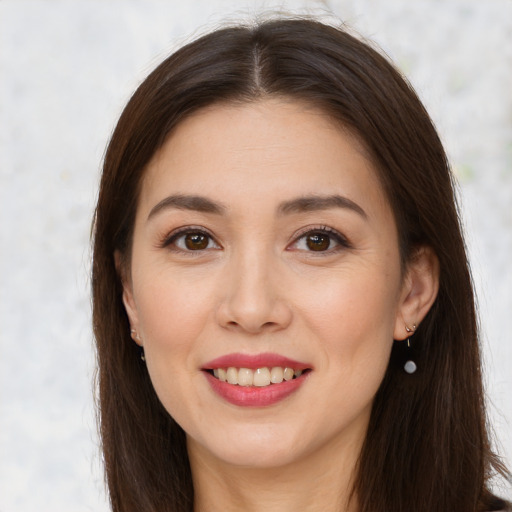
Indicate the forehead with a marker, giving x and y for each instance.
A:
(271, 148)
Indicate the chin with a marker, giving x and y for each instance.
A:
(261, 448)
(257, 457)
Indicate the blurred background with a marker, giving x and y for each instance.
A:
(67, 67)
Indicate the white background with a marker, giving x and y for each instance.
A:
(66, 70)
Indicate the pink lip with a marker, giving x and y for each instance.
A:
(255, 396)
(255, 361)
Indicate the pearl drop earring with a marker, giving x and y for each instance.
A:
(410, 366)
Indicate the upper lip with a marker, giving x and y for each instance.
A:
(254, 361)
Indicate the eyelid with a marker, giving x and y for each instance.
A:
(169, 238)
(340, 239)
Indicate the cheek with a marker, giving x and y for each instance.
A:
(173, 313)
(173, 307)
(353, 318)
(354, 329)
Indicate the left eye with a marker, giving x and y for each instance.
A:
(319, 241)
(192, 241)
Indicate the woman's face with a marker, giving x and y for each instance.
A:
(263, 241)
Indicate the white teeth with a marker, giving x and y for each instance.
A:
(232, 375)
(261, 377)
(288, 374)
(245, 377)
(276, 375)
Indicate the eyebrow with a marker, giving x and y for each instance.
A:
(315, 203)
(299, 205)
(188, 202)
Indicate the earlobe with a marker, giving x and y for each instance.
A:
(128, 299)
(419, 290)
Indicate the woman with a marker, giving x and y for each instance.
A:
(283, 307)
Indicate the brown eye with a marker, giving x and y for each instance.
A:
(318, 241)
(324, 241)
(196, 241)
(191, 241)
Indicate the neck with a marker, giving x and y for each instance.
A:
(322, 481)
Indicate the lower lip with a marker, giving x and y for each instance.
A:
(253, 396)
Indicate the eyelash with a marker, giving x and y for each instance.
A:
(340, 240)
(188, 230)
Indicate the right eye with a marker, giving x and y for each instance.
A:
(191, 240)
(323, 240)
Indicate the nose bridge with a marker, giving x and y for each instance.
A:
(252, 300)
(252, 285)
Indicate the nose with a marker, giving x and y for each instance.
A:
(253, 299)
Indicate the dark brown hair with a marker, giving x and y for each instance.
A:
(427, 447)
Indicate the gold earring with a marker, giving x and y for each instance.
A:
(136, 337)
(410, 329)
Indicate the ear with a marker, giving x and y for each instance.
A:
(419, 291)
(128, 299)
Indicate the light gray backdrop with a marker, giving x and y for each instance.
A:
(66, 69)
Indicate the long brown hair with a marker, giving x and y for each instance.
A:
(427, 447)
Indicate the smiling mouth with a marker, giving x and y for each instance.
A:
(259, 377)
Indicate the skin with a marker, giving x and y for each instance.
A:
(258, 286)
